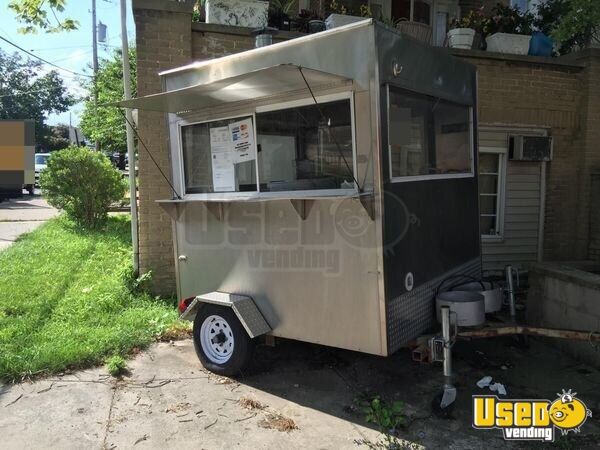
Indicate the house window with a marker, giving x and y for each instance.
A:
(428, 137)
(298, 146)
(413, 10)
(491, 193)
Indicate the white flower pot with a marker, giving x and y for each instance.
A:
(238, 13)
(516, 44)
(461, 38)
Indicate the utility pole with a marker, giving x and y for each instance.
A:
(130, 142)
(95, 62)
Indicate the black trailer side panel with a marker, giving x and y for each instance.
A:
(431, 227)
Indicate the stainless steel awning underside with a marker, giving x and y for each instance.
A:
(261, 83)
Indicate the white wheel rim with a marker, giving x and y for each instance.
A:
(216, 338)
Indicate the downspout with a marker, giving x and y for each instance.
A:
(540, 249)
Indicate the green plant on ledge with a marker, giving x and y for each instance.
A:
(337, 8)
(506, 19)
(475, 20)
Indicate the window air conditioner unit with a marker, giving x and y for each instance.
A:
(529, 148)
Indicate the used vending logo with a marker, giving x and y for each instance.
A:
(530, 419)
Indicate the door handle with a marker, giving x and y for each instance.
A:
(182, 258)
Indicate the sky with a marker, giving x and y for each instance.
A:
(73, 49)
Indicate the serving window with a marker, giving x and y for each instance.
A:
(306, 148)
(298, 147)
(428, 137)
(219, 156)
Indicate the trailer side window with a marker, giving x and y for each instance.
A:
(428, 136)
(219, 156)
(299, 149)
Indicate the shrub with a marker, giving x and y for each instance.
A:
(82, 183)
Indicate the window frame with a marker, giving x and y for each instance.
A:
(201, 195)
(321, 99)
(502, 154)
(386, 9)
(409, 178)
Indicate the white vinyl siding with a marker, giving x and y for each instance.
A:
(518, 243)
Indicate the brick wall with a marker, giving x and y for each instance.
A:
(561, 95)
(213, 40)
(594, 248)
(163, 40)
(589, 213)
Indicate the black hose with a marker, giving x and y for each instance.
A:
(458, 275)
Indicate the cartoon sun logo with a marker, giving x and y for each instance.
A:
(568, 413)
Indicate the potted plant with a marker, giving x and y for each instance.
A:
(279, 13)
(509, 30)
(340, 15)
(462, 32)
(303, 21)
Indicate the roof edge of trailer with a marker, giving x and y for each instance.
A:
(266, 49)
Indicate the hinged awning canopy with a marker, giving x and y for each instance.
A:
(261, 83)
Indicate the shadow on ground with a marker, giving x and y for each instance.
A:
(329, 380)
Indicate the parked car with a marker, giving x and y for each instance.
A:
(41, 160)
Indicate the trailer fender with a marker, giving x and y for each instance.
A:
(243, 306)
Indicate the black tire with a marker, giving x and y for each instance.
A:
(31, 189)
(242, 343)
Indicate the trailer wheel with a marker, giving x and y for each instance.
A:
(221, 343)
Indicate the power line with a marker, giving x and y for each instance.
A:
(43, 60)
(47, 49)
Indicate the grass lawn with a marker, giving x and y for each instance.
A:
(64, 300)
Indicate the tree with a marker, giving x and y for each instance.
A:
(573, 24)
(25, 93)
(58, 137)
(106, 124)
(43, 15)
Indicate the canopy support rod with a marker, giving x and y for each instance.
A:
(150, 154)
(335, 141)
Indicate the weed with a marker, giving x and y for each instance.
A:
(135, 284)
(176, 331)
(388, 418)
(116, 365)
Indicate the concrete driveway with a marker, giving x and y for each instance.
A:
(22, 215)
(295, 396)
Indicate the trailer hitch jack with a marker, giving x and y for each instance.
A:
(441, 350)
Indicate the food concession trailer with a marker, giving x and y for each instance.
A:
(322, 189)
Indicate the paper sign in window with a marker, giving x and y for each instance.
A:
(242, 140)
(221, 154)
